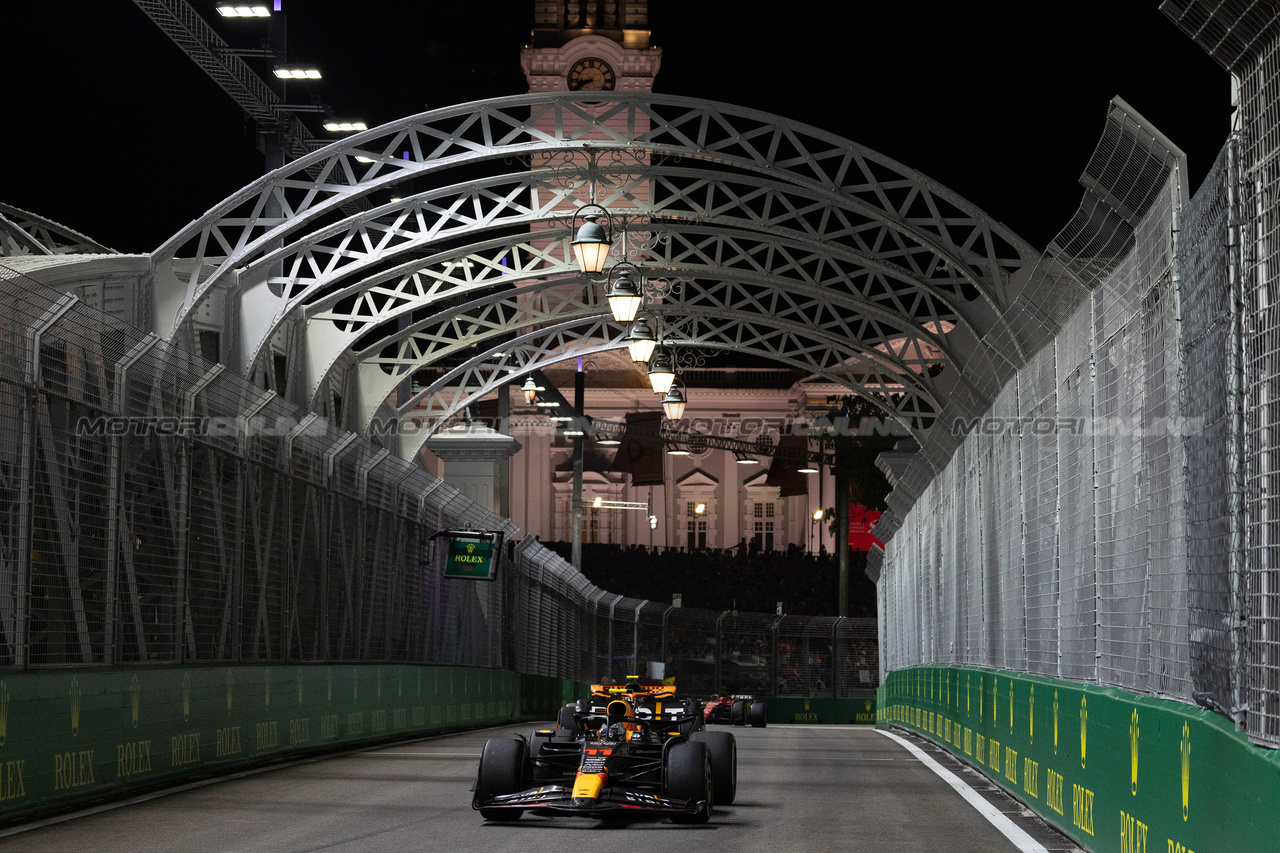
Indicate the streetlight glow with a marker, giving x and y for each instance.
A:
(662, 371)
(226, 10)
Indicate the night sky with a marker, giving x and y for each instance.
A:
(110, 130)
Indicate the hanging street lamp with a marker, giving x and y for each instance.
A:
(641, 340)
(591, 243)
(624, 297)
(673, 404)
(662, 371)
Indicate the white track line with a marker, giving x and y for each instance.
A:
(1025, 843)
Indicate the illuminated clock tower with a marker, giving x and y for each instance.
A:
(590, 45)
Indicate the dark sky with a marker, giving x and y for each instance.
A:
(109, 129)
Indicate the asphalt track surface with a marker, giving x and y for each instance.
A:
(800, 788)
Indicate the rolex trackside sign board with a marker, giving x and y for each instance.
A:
(472, 555)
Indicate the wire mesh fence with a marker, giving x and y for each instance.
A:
(178, 514)
(1092, 501)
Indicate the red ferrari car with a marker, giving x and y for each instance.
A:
(735, 708)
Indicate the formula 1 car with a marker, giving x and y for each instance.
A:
(616, 764)
(737, 709)
(647, 700)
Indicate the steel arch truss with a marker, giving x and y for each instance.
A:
(23, 233)
(800, 244)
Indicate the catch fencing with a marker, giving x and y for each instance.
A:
(1107, 520)
(156, 509)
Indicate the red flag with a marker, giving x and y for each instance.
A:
(861, 521)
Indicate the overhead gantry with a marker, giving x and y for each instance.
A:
(788, 243)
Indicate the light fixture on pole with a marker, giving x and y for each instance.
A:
(297, 73)
(591, 241)
(530, 389)
(345, 126)
(641, 340)
(673, 403)
(230, 10)
(624, 297)
(807, 468)
(744, 459)
(662, 371)
(674, 449)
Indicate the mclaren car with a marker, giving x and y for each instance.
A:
(621, 763)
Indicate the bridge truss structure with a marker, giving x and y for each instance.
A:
(788, 243)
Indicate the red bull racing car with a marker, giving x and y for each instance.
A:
(740, 710)
(615, 761)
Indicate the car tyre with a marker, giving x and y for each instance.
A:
(757, 716)
(688, 777)
(502, 766)
(738, 712)
(724, 764)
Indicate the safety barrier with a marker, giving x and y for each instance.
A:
(74, 737)
(1116, 771)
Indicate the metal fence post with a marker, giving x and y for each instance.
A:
(719, 649)
(114, 501)
(26, 518)
(635, 640)
(609, 652)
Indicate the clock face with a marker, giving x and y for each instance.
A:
(591, 75)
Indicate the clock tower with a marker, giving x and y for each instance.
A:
(590, 45)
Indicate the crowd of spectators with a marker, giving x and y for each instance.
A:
(742, 578)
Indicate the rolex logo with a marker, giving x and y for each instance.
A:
(1084, 727)
(1055, 722)
(4, 712)
(399, 683)
(419, 683)
(135, 699)
(1133, 753)
(231, 680)
(1010, 707)
(981, 694)
(355, 684)
(186, 697)
(75, 706)
(1186, 769)
(300, 681)
(471, 548)
(267, 689)
(378, 677)
(1031, 715)
(868, 704)
(995, 699)
(328, 680)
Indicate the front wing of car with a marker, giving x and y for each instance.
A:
(559, 799)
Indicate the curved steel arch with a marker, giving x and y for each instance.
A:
(795, 291)
(902, 199)
(467, 383)
(285, 246)
(23, 233)
(823, 351)
(311, 265)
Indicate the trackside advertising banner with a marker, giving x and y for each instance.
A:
(71, 737)
(1118, 772)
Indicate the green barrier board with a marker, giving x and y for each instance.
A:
(68, 738)
(1118, 772)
